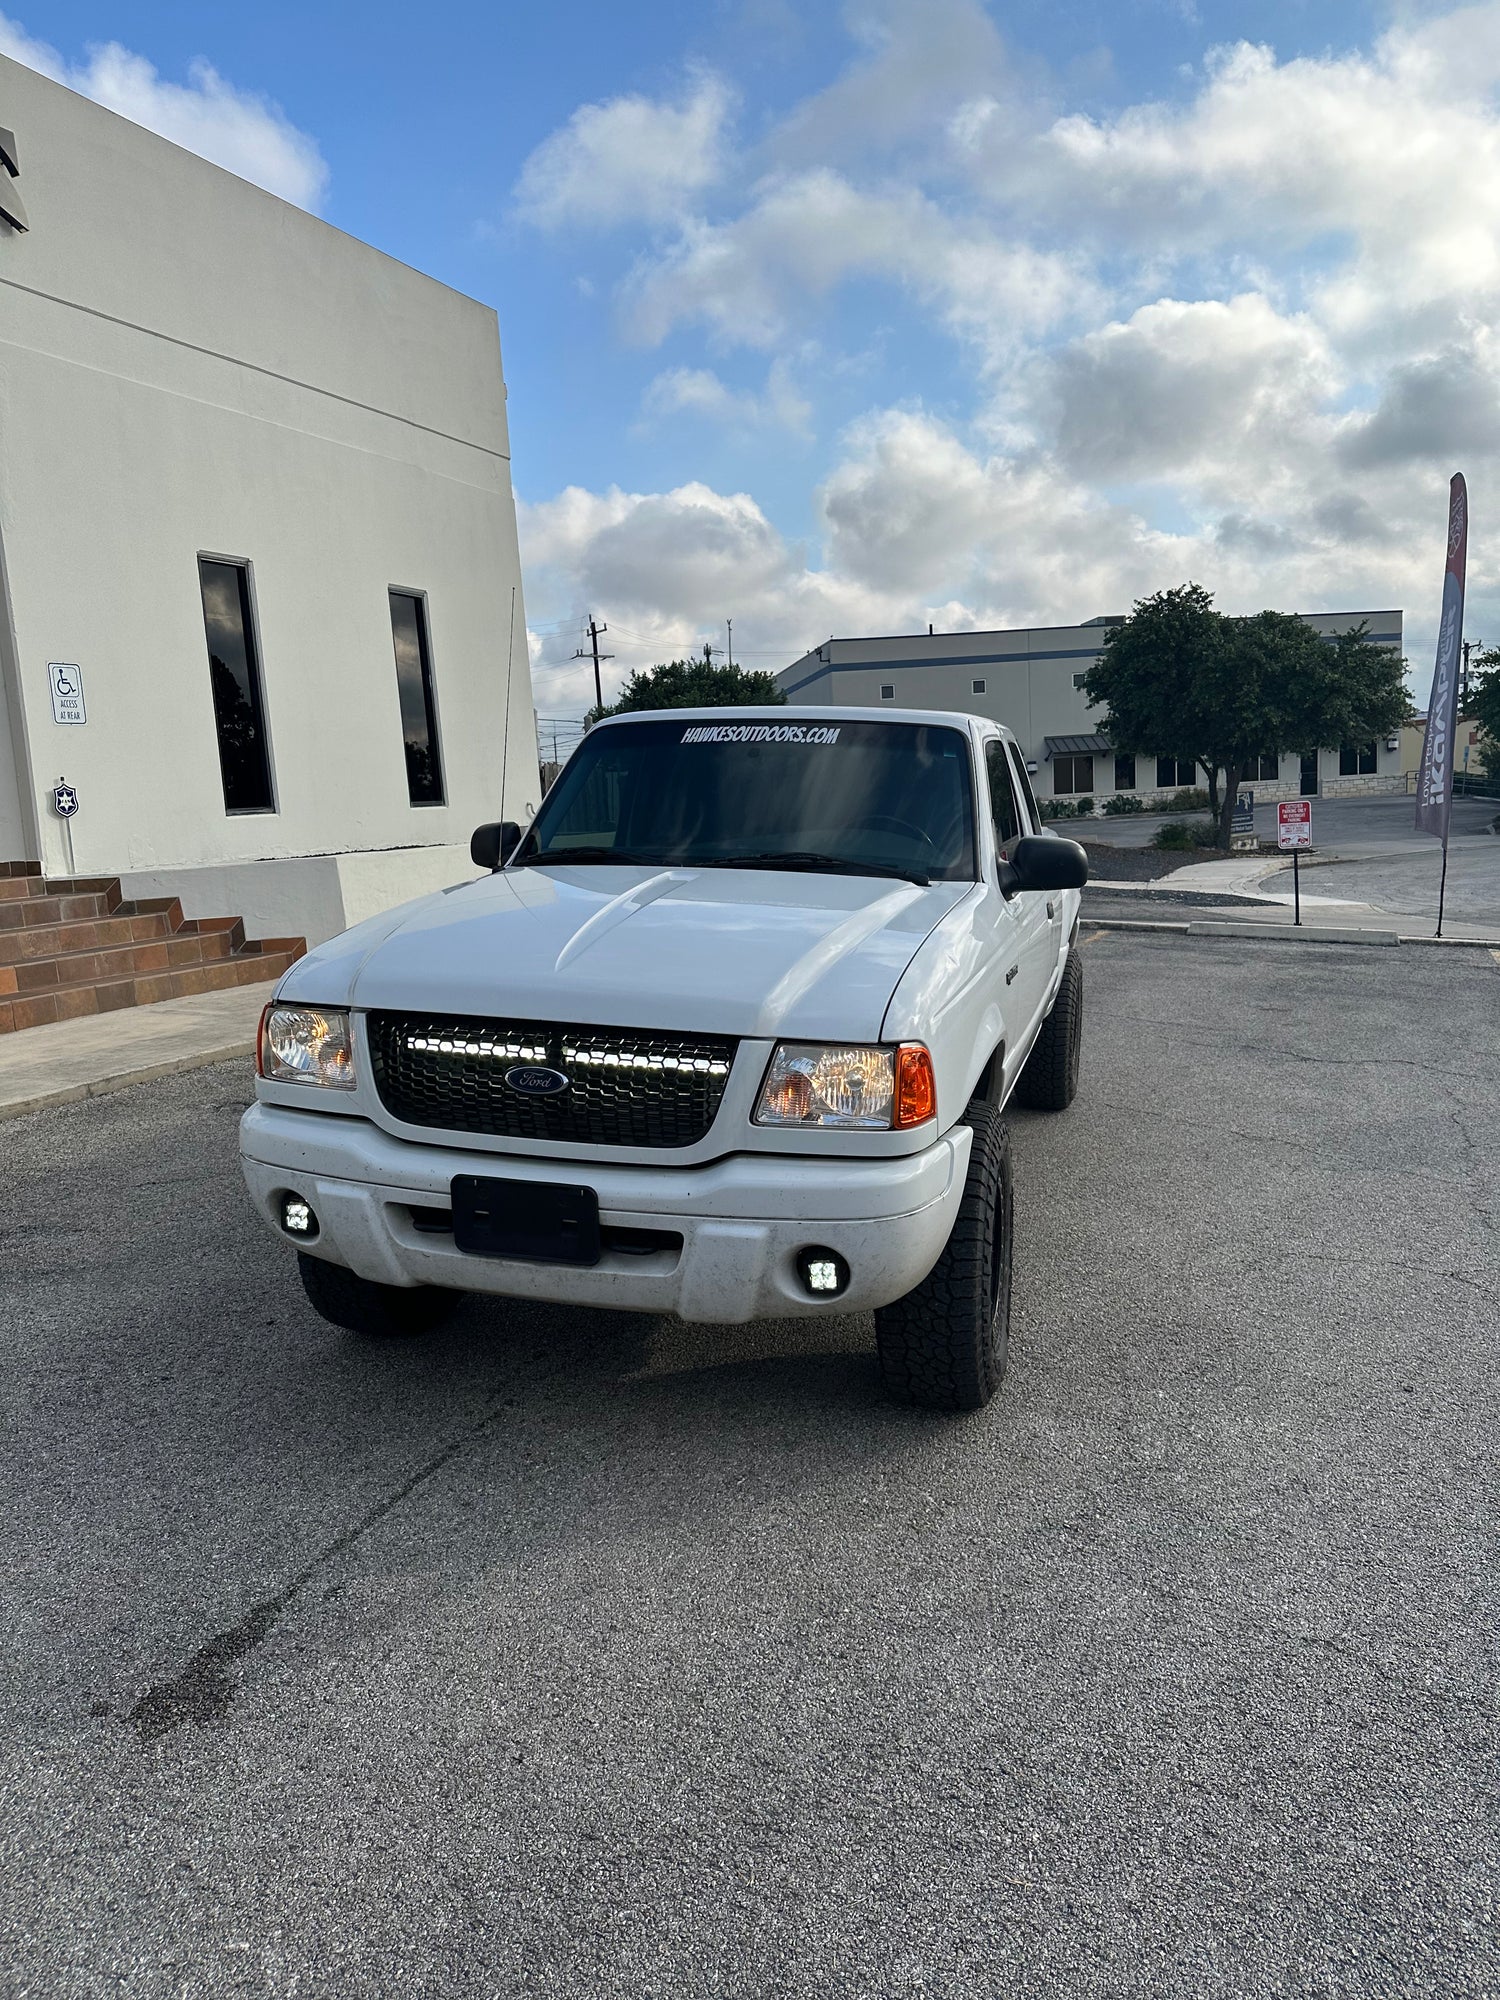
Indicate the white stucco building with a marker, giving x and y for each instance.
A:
(255, 500)
(1032, 680)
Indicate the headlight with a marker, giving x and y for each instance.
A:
(869, 1088)
(306, 1045)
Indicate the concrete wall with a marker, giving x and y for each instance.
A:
(313, 896)
(1031, 682)
(189, 366)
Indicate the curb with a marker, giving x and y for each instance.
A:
(1293, 933)
(1290, 933)
(1131, 924)
(100, 1086)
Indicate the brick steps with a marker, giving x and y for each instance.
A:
(77, 947)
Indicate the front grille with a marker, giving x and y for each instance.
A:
(626, 1088)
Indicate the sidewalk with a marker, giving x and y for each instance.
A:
(68, 1060)
(1235, 879)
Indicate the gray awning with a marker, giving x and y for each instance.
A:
(1077, 746)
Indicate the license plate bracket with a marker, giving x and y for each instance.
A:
(539, 1222)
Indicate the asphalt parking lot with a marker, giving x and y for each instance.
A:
(570, 1654)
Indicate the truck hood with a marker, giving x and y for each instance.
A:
(717, 951)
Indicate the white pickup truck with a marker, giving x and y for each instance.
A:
(727, 1032)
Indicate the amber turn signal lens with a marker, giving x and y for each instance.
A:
(916, 1089)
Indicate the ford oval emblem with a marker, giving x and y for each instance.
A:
(528, 1080)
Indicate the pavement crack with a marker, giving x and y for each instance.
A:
(205, 1689)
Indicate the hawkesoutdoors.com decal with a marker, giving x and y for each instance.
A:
(758, 732)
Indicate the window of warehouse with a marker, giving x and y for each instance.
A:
(1356, 760)
(1175, 771)
(1124, 774)
(1072, 774)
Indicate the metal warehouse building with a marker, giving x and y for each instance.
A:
(1032, 681)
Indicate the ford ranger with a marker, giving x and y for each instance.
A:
(728, 1031)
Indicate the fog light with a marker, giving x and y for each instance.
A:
(297, 1218)
(823, 1272)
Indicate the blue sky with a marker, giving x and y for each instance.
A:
(840, 318)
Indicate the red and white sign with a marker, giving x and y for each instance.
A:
(1294, 823)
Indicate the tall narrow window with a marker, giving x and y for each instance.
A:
(234, 673)
(424, 764)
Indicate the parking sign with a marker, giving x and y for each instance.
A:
(1294, 823)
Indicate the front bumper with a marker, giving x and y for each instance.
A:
(741, 1220)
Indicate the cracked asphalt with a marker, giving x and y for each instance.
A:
(558, 1653)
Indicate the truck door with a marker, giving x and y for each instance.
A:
(1028, 951)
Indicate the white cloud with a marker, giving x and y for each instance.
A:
(1186, 388)
(805, 234)
(1391, 157)
(920, 61)
(1241, 335)
(699, 392)
(240, 130)
(919, 526)
(1438, 408)
(668, 569)
(914, 509)
(632, 159)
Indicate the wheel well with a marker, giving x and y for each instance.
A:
(990, 1082)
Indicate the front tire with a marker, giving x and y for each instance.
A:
(359, 1305)
(945, 1345)
(1049, 1082)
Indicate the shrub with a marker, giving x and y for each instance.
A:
(1084, 807)
(1121, 803)
(1057, 809)
(1191, 799)
(1194, 833)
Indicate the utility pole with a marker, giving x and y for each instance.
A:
(580, 654)
(729, 627)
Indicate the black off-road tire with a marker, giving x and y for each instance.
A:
(945, 1345)
(1049, 1082)
(359, 1305)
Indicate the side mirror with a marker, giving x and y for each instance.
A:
(492, 846)
(1042, 861)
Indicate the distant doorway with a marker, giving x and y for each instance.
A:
(1309, 778)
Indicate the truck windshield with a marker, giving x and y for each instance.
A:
(876, 798)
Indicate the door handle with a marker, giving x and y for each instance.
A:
(1051, 912)
(1011, 974)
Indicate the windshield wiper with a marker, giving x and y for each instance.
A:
(810, 863)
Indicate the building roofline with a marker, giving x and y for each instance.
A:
(1078, 625)
(214, 166)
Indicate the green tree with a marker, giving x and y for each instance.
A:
(1179, 679)
(693, 684)
(1484, 708)
(1153, 670)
